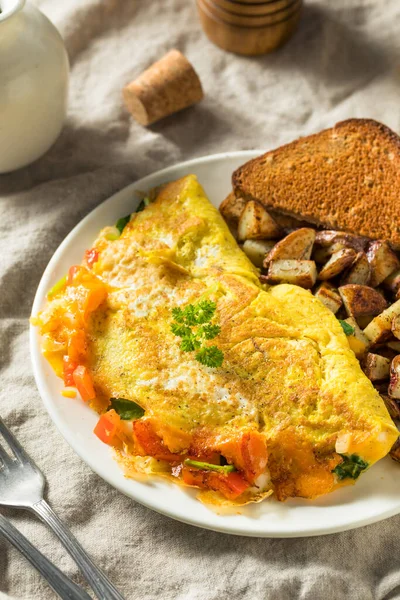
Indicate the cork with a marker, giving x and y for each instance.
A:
(166, 87)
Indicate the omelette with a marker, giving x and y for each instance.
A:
(202, 374)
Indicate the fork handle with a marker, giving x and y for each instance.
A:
(101, 585)
(60, 583)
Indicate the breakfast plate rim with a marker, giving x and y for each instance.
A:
(153, 497)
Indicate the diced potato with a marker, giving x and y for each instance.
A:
(256, 224)
(394, 385)
(297, 272)
(339, 261)
(256, 250)
(329, 296)
(396, 326)
(347, 240)
(380, 328)
(321, 254)
(395, 346)
(359, 272)
(392, 406)
(295, 246)
(392, 283)
(358, 342)
(383, 261)
(376, 367)
(361, 300)
(231, 208)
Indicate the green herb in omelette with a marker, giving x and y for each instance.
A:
(351, 467)
(142, 205)
(197, 464)
(126, 409)
(210, 356)
(122, 222)
(348, 329)
(57, 287)
(193, 325)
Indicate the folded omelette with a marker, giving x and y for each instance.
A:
(287, 409)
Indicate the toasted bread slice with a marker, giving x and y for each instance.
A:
(345, 178)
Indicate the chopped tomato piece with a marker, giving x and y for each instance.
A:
(248, 453)
(231, 485)
(84, 383)
(255, 456)
(72, 272)
(107, 427)
(194, 477)
(69, 367)
(151, 443)
(91, 257)
(234, 485)
(77, 346)
(96, 295)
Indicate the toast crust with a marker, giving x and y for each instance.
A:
(346, 178)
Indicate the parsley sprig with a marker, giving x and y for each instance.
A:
(193, 325)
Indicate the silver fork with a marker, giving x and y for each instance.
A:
(21, 486)
(60, 583)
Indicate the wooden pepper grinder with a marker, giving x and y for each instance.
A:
(249, 27)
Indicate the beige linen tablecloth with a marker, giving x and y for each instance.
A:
(343, 62)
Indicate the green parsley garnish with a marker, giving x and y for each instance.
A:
(348, 329)
(126, 409)
(209, 467)
(122, 222)
(351, 467)
(192, 324)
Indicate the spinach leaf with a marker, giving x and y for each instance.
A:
(127, 409)
(348, 329)
(122, 222)
(145, 202)
(351, 467)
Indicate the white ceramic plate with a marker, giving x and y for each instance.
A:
(376, 495)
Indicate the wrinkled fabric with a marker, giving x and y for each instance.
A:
(343, 62)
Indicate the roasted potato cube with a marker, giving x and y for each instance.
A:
(392, 406)
(394, 385)
(337, 263)
(361, 300)
(359, 271)
(394, 345)
(392, 283)
(256, 224)
(346, 240)
(297, 272)
(231, 208)
(376, 367)
(321, 254)
(329, 296)
(358, 342)
(295, 246)
(395, 451)
(396, 326)
(380, 328)
(383, 261)
(256, 250)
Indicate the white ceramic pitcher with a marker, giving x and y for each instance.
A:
(34, 73)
